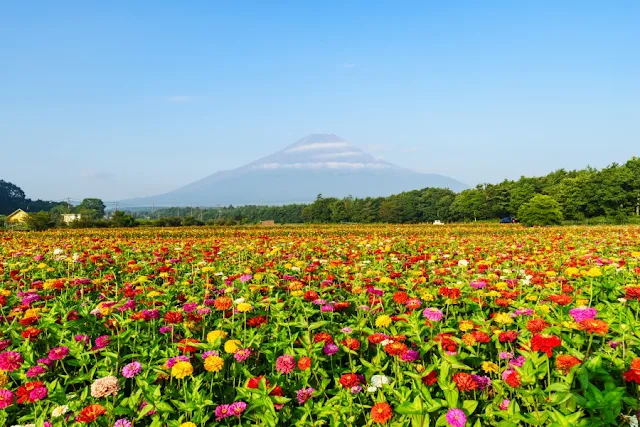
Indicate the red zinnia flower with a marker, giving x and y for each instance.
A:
(349, 380)
(536, 325)
(565, 362)
(544, 343)
(464, 381)
(509, 336)
(430, 378)
(323, 337)
(513, 379)
(185, 347)
(594, 326)
(31, 392)
(304, 363)
(173, 317)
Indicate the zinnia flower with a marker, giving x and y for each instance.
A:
(123, 422)
(90, 413)
(213, 363)
(456, 417)
(182, 369)
(103, 387)
(304, 394)
(31, 392)
(58, 353)
(6, 398)
(10, 361)
(285, 364)
(381, 412)
(131, 370)
(432, 314)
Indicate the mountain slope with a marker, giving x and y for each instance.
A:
(316, 164)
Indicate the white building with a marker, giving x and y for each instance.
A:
(69, 218)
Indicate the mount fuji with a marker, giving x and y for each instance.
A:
(316, 164)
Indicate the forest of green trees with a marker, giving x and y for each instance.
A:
(611, 194)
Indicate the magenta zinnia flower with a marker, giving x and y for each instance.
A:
(583, 313)
(223, 411)
(122, 422)
(304, 394)
(10, 361)
(456, 417)
(6, 398)
(102, 342)
(285, 364)
(330, 349)
(131, 370)
(35, 371)
(58, 353)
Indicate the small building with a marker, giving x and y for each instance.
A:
(17, 217)
(69, 218)
(268, 223)
(438, 222)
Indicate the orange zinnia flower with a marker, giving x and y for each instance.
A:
(381, 412)
(90, 413)
(565, 362)
(223, 303)
(594, 326)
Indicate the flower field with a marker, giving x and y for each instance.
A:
(338, 326)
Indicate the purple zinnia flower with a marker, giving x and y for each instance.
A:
(131, 370)
(410, 356)
(478, 284)
(517, 362)
(122, 422)
(166, 329)
(209, 353)
(245, 278)
(172, 361)
(330, 349)
(190, 307)
(482, 381)
(356, 389)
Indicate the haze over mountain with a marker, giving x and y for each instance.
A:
(317, 164)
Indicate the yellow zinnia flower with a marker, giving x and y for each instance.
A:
(490, 367)
(232, 346)
(188, 424)
(465, 325)
(215, 335)
(4, 379)
(383, 321)
(243, 307)
(181, 370)
(503, 318)
(213, 363)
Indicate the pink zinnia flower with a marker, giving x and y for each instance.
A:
(505, 404)
(102, 342)
(456, 417)
(330, 349)
(304, 394)
(223, 411)
(58, 353)
(242, 355)
(10, 361)
(237, 408)
(432, 314)
(6, 398)
(35, 371)
(285, 364)
(131, 370)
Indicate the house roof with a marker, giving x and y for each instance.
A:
(14, 213)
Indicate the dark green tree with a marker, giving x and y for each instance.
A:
(92, 207)
(40, 221)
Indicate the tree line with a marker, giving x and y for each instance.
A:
(611, 194)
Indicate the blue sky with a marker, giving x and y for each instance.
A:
(120, 99)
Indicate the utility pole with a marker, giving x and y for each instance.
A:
(116, 206)
(153, 207)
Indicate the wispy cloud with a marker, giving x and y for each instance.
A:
(322, 165)
(317, 146)
(348, 64)
(180, 99)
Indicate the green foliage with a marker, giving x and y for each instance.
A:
(121, 219)
(93, 208)
(540, 210)
(39, 221)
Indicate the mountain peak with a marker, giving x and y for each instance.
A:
(317, 163)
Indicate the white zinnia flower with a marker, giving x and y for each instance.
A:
(379, 380)
(372, 389)
(58, 411)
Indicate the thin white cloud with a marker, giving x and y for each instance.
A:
(317, 146)
(335, 155)
(322, 165)
(349, 64)
(180, 99)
